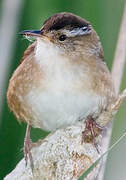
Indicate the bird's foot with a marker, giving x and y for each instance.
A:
(28, 144)
(92, 130)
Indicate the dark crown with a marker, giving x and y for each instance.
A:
(61, 20)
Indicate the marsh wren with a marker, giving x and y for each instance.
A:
(62, 77)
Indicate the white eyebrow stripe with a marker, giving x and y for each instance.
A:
(77, 31)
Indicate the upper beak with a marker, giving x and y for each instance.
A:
(31, 33)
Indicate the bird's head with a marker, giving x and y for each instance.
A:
(70, 33)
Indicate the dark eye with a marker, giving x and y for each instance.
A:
(62, 37)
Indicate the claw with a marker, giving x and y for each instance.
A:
(93, 128)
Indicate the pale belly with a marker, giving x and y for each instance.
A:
(52, 110)
(65, 94)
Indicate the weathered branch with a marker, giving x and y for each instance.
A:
(61, 155)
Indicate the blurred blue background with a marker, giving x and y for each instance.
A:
(17, 15)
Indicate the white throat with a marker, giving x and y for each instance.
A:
(46, 51)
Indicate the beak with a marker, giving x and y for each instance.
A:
(31, 33)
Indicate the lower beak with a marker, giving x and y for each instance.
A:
(31, 33)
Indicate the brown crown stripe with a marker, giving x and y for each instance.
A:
(61, 20)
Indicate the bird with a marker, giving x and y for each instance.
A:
(62, 78)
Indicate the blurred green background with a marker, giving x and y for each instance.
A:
(105, 16)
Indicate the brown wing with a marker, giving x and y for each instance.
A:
(26, 76)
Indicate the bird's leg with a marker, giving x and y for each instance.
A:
(92, 130)
(27, 147)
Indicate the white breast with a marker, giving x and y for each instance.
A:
(61, 102)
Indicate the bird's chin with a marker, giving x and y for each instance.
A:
(44, 39)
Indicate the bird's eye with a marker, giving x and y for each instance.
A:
(62, 37)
